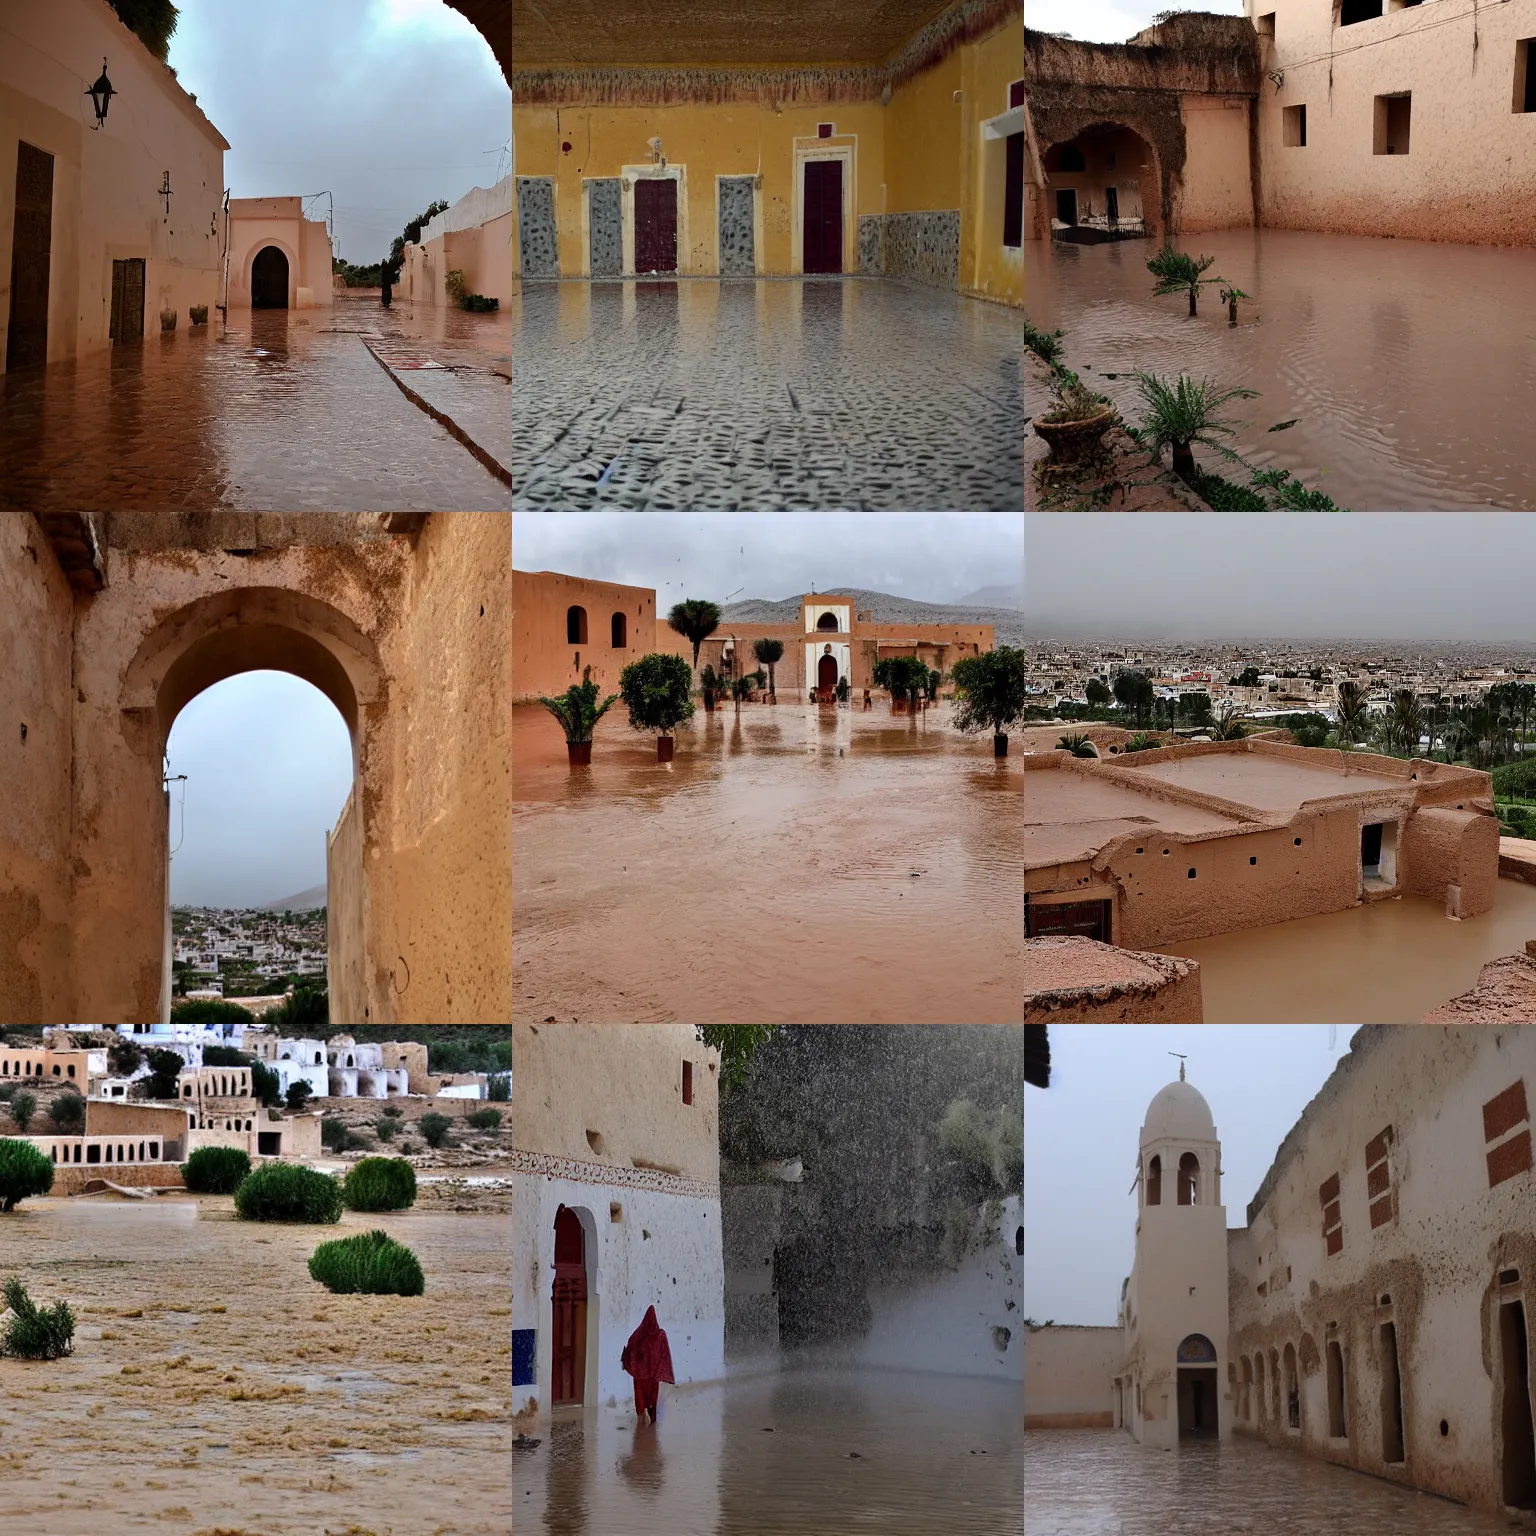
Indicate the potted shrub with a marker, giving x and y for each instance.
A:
(905, 676)
(199, 314)
(578, 713)
(656, 690)
(842, 690)
(1076, 421)
(167, 319)
(989, 693)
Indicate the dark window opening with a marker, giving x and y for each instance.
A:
(1338, 1424)
(1080, 919)
(1155, 1181)
(827, 621)
(1394, 121)
(575, 634)
(620, 628)
(1293, 126)
(1525, 76)
(687, 1082)
(1265, 25)
(1391, 1397)
(1189, 1174)
(1519, 1470)
(823, 130)
(1016, 93)
(1069, 158)
(1353, 11)
(1013, 192)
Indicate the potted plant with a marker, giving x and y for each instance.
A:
(167, 319)
(1076, 421)
(768, 652)
(1182, 414)
(656, 689)
(905, 676)
(842, 690)
(199, 314)
(578, 713)
(989, 692)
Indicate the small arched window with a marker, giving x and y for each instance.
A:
(827, 621)
(1069, 158)
(1189, 1179)
(575, 625)
(620, 632)
(1155, 1181)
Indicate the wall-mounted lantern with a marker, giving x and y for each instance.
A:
(101, 95)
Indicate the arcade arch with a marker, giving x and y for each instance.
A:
(1104, 181)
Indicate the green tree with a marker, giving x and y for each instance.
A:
(1098, 693)
(657, 692)
(1352, 710)
(23, 1106)
(769, 652)
(308, 1003)
(411, 235)
(266, 1085)
(124, 1057)
(989, 690)
(1195, 709)
(738, 1046)
(1247, 678)
(905, 676)
(1133, 692)
(1226, 726)
(67, 1112)
(210, 1010)
(164, 1068)
(695, 620)
(298, 1095)
(577, 709)
(152, 21)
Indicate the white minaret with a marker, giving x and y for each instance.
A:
(1175, 1309)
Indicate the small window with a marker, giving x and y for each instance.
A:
(1525, 77)
(1293, 127)
(687, 1082)
(1354, 11)
(1191, 874)
(823, 130)
(1253, 859)
(620, 632)
(1016, 93)
(575, 634)
(1069, 158)
(1394, 118)
(1265, 25)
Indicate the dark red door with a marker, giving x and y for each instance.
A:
(826, 677)
(26, 343)
(823, 216)
(569, 1317)
(656, 226)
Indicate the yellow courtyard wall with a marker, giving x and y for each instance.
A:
(989, 66)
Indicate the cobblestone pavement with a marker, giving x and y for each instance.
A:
(277, 411)
(763, 395)
(1100, 1482)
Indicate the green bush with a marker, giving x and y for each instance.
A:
(333, 1134)
(215, 1170)
(67, 1112)
(380, 1184)
(1508, 779)
(393, 1111)
(385, 1129)
(434, 1130)
(207, 1010)
(484, 1120)
(23, 1107)
(33, 1332)
(24, 1171)
(371, 1262)
(288, 1192)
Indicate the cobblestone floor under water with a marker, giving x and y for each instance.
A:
(1100, 1482)
(277, 411)
(795, 1454)
(764, 395)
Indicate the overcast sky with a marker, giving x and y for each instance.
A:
(1357, 575)
(932, 557)
(1109, 21)
(269, 764)
(388, 104)
(1082, 1133)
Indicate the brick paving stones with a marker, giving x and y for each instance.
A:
(765, 395)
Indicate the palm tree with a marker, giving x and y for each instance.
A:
(1229, 296)
(1352, 711)
(696, 620)
(1183, 413)
(1405, 722)
(769, 653)
(1179, 272)
(578, 712)
(1077, 744)
(1226, 726)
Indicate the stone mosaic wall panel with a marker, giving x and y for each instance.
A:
(537, 244)
(738, 255)
(924, 247)
(869, 243)
(606, 221)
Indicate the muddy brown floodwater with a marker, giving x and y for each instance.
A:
(215, 1387)
(803, 1453)
(1390, 962)
(1407, 365)
(793, 864)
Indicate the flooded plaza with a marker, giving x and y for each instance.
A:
(1403, 364)
(801, 1453)
(215, 1385)
(1100, 1482)
(1390, 962)
(794, 863)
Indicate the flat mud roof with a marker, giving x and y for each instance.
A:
(1268, 784)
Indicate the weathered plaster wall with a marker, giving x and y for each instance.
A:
(1217, 191)
(36, 625)
(1443, 846)
(1080, 981)
(543, 662)
(1069, 1373)
(346, 966)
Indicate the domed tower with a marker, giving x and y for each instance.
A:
(1175, 1308)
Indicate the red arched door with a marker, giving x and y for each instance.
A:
(826, 676)
(569, 1323)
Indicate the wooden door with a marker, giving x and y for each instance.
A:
(569, 1315)
(269, 279)
(826, 675)
(656, 225)
(1079, 919)
(128, 300)
(26, 343)
(1066, 205)
(823, 216)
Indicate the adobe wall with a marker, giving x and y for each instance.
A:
(1080, 981)
(73, 1180)
(109, 1117)
(346, 960)
(542, 661)
(1069, 1375)
(1217, 190)
(1442, 846)
(36, 617)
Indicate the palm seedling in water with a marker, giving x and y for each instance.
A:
(1229, 296)
(1179, 272)
(1183, 413)
(578, 710)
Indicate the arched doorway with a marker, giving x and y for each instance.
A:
(1198, 1388)
(1104, 184)
(569, 1315)
(826, 677)
(269, 279)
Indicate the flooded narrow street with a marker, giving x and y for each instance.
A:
(792, 864)
(1388, 963)
(1405, 365)
(1100, 1482)
(803, 1453)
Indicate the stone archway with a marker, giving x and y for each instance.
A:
(270, 278)
(1100, 157)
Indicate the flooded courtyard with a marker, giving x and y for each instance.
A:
(1100, 1482)
(1403, 364)
(794, 863)
(1390, 962)
(800, 1453)
(215, 1387)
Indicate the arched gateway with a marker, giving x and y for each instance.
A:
(269, 279)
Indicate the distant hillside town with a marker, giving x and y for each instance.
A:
(220, 952)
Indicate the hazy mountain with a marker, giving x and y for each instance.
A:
(994, 597)
(305, 901)
(1007, 622)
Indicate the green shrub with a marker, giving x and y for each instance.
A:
(1222, 495)
(215, 1170)
(385, 1129)
(299, 1094)
(393, 1111)
(434, 1130)
(24, 1171)
(380, 1184)
(207, 1010)
(23, 1107)
(333, 1134)
(33, 1332)
(371, 1262)
(288, 1192)
(484, 1120)
(67, 1112)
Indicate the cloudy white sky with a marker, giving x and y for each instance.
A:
(1366, 575)
(1081, 1137)
(1110, 21)
(931, 557)
(387, 104)
(269, 764)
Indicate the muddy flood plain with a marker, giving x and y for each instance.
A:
(1405, 365)
(793, 864)
(215, 1387)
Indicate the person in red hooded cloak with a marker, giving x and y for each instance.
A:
(648, 1358)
